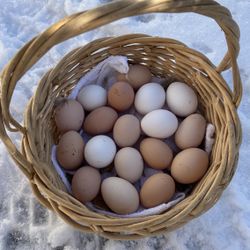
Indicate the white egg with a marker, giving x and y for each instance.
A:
(181, 99)
(159, 123)
(92, 97)
(149, 97)
(100, 151)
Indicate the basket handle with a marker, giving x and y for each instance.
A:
(85, 21)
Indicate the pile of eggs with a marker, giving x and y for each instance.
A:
(128, 127)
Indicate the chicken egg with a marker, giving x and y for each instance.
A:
(69, 115)
(157, 189)
(189, 165)
(86, 183)
(156, 153)
(70, 149)
(100, 151)
(126, 130)
(181, 99)
(121, 96)
(92, 97)
(191, 131)
(149, 97)
(129, 164)
(120, 195)
(138, 75)
(100, 121)
(159, 123)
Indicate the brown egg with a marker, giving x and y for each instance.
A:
(69, 115)
(191, 132)
(86, 183)
(157, 189)
(100, 121)
(138, 75)
(126, 130)
(189, 165)
(120, 195)
(121, 96)
(70, 149)
(156, 153)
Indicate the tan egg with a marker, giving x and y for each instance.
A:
(156, 153)
(121, 96)
(70, 150)
(120, 195)
(69, 115)
(86, 183)
(138, 75)
(129, 164)
(191, 132)
(189, 165)
(126, 130)
(100, 121)
(157, 189)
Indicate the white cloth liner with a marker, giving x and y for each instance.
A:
(104, 74)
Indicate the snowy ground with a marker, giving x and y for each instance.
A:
(24, 224)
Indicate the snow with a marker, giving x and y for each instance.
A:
(24, 224)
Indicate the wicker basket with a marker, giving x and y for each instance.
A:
(165, 57)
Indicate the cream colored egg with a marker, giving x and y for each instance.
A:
(129, 164)
(181, 99)
(92, 97)
(149, 97)
(159, 123)
(120, 195)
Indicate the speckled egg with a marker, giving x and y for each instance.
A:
(70, 150)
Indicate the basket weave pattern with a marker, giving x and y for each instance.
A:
(165, 58)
